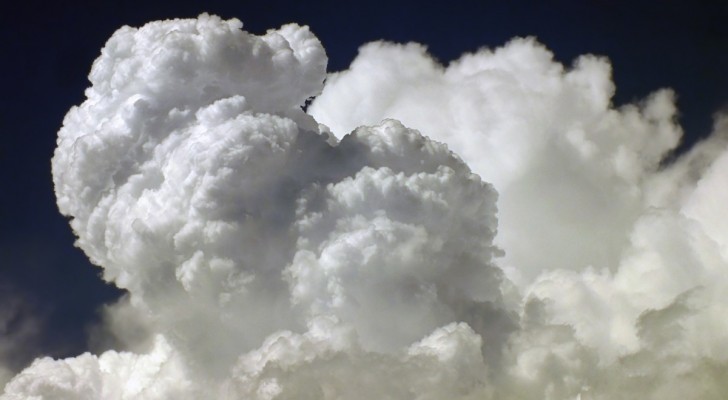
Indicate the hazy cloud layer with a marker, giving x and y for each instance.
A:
(21, 323)
(267, 258)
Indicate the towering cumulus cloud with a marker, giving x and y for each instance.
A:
(272, 254)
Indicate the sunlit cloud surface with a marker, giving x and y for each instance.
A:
(491, 229)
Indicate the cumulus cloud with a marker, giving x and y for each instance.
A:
(600, 235)
(495, 228)
(565, 162)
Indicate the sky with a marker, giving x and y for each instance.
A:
(50, 48)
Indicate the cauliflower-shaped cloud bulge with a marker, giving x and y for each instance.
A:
(618, 256)
(529, 126)
(265, 258)
(269, 258)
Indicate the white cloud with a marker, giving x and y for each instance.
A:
(156, 375)
(267, 259)
(564, 161)
(597, 234)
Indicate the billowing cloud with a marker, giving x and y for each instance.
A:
(601, 237)
(566, 164)
(491, 229)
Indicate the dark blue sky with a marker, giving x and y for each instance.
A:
(48, 50)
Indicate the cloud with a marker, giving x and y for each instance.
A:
(21, 322)
(598, 231)
(122, 326)
(530, 126)
(495, 228)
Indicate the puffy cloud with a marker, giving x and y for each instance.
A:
(250, 241)
(531, 127)
(267, 258)
(156, 375)
(615, 252)
(326, 364)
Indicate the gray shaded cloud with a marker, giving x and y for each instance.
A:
(21, 323)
